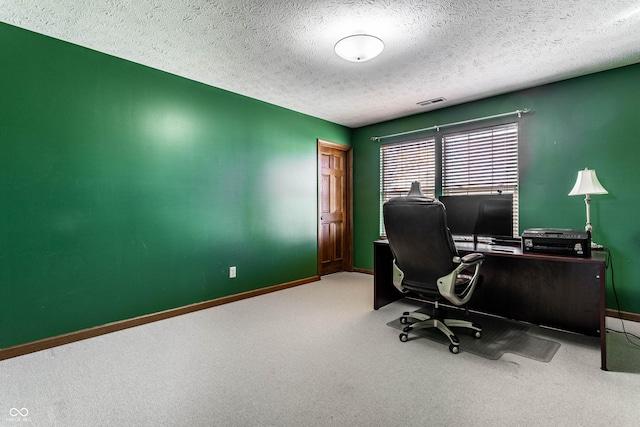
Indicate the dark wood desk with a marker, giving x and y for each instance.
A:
(560, 292)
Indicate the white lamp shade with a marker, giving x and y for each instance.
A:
(359, 47)
(587, 183)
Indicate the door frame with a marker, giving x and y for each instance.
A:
(348, 195)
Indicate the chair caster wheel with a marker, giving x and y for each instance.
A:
(454, 349)
(476, 334)
(404, 337)
(403, 320)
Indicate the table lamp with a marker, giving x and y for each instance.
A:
(586, 184)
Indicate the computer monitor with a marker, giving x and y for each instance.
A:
(486, 215)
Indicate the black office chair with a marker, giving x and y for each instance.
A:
(426, 263)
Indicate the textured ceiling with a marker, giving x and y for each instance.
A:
(281, 51)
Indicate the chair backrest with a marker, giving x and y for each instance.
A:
(419, 239)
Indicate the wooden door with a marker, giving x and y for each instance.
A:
(334, 234)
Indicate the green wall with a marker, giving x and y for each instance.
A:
(125, 190)
(591, 121)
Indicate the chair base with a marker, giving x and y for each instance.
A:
(438, 321)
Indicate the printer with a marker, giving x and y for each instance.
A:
(557, 241)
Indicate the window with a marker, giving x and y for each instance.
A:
(477, 161)
(401, 164)
(482, 161)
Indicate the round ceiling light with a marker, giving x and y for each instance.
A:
(359, 47)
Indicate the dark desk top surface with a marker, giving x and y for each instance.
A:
(515, 251)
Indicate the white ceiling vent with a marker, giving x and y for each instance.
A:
(431, 101)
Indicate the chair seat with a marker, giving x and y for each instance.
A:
(431, 291)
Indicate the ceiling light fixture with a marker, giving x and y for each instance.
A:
(359, 47)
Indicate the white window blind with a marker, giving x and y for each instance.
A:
(401, 164)
(482, 161)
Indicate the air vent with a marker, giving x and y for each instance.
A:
(431, 101)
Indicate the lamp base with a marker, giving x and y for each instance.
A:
(589, 228)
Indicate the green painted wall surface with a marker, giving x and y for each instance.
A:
(591, 121)
(126, 191)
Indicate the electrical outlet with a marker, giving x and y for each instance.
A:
(232, 272)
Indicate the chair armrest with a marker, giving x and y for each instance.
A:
(471, 259)
(447, 284)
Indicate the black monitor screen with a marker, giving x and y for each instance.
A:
(488, 215)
